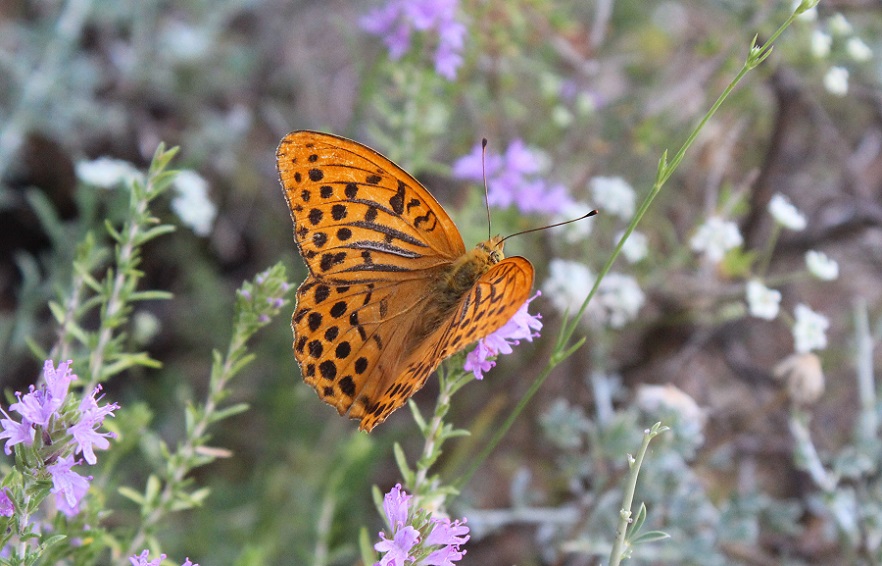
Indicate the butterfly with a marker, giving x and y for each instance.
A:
(391, 290)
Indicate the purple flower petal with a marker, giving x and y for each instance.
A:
(6, 507)
(68, 486)
(398, 548)
(16, 432)
(395, 505)
(142, 559)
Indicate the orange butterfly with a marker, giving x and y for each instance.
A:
(391, 290)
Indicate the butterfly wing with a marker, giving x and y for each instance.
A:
(358, 217)
(374, 239)
(347, 338)
(492, 301)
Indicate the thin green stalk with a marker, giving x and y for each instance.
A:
(625, 514)
(563, 348)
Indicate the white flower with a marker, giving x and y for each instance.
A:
(836, 81)
(785, 213)
(615, 195)
(574, 232)
(657, 398)
(821, 43)
(810, 329)
(636, 246)
(809, 15)
(762, 301)
(185, 43)
(821, 266)
(839, 25)
(618, 300)
(715, 237)
(568, 284)
(858, 50)
(192, 204)
(106, 173)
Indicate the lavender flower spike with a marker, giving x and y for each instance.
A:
(521, 326)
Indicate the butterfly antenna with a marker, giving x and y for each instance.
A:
(486, 191)
(592, 213)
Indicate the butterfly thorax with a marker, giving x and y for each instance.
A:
(459, 278)
(463, 273)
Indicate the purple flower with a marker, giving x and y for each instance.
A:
(408, 542)
(143, 560)
(15, 432)
(398, 549)
(521, 326)
(38, 406)
(445, 532)
(450, 536)
(58, 380)
(6, 506)
(85, 432)
(514, 179)
(68, 486)
(395, 505)
(397, 19)
(444, 556)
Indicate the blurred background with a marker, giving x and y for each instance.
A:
(596, 91)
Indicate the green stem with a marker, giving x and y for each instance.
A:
(619, 547)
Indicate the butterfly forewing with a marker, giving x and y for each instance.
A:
(493, 300)
(358, 216)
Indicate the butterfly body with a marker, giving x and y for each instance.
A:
(391, 290)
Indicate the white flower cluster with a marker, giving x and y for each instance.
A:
(837, 29)
(716, 237)
(809, 330)
(616, 303)
(107, 173)
(615, 195)
(192, 204)
(785, 213)
(762, 301)
(821, 266)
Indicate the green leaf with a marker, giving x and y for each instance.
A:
(417, 416)
(649, 536)
(637, 522)
(52, 540)
(152, 233)
(366, 547)
(131, 495)
(154, 295)
(229, 412)
(406, 473)
(151, 493)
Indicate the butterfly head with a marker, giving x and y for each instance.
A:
(493, 249)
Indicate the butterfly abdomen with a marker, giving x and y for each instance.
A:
(453, 284)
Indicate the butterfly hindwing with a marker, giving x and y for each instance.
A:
(492, 301)
(358, 216)
(347, 337)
